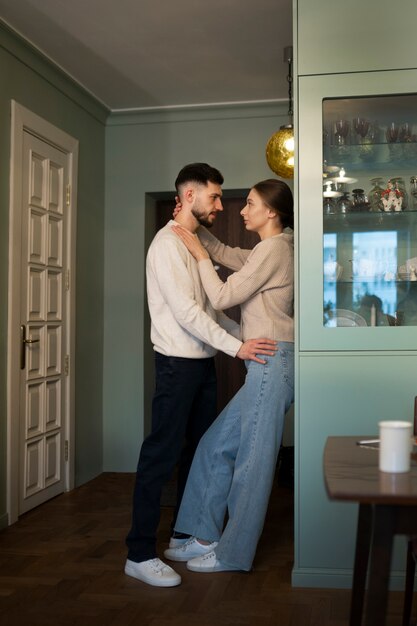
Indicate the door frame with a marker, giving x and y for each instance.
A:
(22, 120)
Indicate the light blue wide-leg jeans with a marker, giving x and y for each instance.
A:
(234, 465)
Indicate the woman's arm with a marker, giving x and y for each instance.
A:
(233, 258)
(265, 262)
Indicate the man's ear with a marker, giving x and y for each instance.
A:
(188, 194)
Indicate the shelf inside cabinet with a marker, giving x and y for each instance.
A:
(365, 220)
(376, 157)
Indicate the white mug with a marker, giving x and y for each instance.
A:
(395, 445)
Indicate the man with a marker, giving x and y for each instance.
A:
(186, 333)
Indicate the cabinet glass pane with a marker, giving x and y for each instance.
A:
(370, 211)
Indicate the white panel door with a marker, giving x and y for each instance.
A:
(43, 323)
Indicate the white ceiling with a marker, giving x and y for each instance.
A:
(161, 53)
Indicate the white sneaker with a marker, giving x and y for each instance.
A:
(176, 542)
(209, 563)
(189, 550)
(154, 572)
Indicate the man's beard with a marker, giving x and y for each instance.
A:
(201, 217)
(203, 220)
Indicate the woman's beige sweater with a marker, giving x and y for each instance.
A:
(263, 284)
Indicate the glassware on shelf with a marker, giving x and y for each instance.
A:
(368, 149)
(392, 132)
(341, 131)
(375, 194)
(391, 135)
(359, 200)
(342, 179)
(413, 193)
(404, 137)
(361, 127)
(404, 133)
(329, 198)
(329, 206)
(344, 204)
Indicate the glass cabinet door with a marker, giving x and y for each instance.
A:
(358, 195)
(370, 211)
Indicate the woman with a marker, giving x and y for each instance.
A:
(235, 462)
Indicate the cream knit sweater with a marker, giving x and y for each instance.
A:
(184, 323)
(263, 284)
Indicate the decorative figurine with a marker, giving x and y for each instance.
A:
(392, 198)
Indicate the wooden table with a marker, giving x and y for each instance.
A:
(387, 507)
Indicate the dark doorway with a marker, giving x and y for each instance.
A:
(229, 228)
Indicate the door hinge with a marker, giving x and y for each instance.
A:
(66, 449)
(66, 364)
(67, 280)
(68, 195)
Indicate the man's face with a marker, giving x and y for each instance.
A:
(207, 203)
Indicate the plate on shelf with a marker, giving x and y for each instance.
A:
(345, 318)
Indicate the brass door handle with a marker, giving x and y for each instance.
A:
(23, 342)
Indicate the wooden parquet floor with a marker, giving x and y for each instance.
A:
(62, 565)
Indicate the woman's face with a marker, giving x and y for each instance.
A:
(256, 215)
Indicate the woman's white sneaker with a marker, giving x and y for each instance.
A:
(209, 563)
(189, 550)
(176, 542)
(153, 572)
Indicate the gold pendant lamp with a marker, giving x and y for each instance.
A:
(280, 147)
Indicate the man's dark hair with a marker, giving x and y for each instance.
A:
(201, 173)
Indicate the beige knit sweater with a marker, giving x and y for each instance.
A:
(263, 284)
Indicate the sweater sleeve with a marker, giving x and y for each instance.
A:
(233, 258)
(177, 288)
(264, 262)
(229, 325)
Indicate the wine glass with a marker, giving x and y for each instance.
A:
(391, 135)
(341, 131)
(404, 136)
(392, 132)
(361, 127)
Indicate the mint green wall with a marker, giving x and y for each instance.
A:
(144, 153)
(34, 83)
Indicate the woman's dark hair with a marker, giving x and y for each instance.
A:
(277, 196)
(201, 173)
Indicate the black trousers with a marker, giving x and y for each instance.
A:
(184, 406)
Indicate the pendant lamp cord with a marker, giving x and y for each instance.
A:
(289, 79)
(288, 59)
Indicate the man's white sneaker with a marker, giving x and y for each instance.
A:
(154, 572)
(176, 542)
(209, 563)
(189, 550)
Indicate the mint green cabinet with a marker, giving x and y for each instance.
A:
(349, 377)
(355, 35)
(344, 393)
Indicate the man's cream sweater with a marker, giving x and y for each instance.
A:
(183, 322)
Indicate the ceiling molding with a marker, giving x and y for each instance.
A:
(228, 110)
